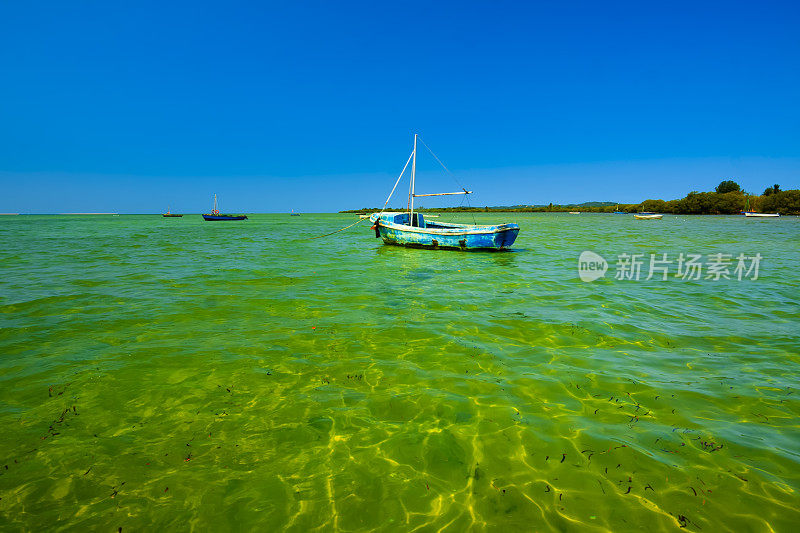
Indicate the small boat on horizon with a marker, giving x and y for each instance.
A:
(293, 214)
(169, 214)
(574, 212)
(412, 230)
(216, 215)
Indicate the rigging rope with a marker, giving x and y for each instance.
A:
(440, 162)
(395, 184)
(470, 210)
(382, 209)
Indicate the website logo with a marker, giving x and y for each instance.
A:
(591, 266)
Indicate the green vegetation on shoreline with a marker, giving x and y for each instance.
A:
(727, 199)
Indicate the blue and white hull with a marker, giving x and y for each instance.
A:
(393, 228)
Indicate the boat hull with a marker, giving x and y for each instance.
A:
(648, 217)
(448, 237)
(224, 217)
(169, 215)
(761, 215)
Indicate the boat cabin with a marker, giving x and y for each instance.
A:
(402, 218)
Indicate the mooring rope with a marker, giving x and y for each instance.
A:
(337, 231)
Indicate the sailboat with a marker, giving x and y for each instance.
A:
(411, 229)
(762, 215)
(293, 214)
(169, 214)
(215, 214)
(750, 212)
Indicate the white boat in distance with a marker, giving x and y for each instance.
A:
(648, 217)
(769, 215)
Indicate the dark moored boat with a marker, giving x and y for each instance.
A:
(216, 215)
(168, 214)
(224, 217)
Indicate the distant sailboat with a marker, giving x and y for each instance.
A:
(750, 212)
(215, 214)
(293, 214)
(747, 208)
(171, 215)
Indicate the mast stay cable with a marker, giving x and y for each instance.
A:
(467, 193)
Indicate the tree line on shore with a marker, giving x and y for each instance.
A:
(727, 199)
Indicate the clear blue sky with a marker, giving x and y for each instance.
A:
(312, 106)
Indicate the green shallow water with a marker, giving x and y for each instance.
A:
(186, 375)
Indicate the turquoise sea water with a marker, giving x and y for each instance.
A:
(187, 375)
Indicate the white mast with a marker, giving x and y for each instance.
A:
(413, 176)
(215, 204)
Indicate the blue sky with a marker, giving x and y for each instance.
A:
(312, 105)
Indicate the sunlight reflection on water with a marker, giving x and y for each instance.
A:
(164, 372)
